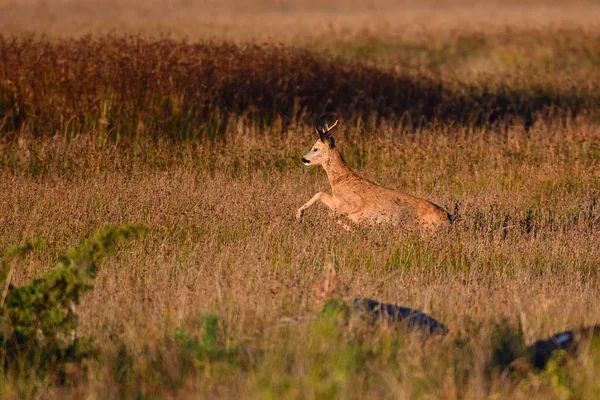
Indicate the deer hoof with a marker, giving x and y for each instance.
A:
(299, 215)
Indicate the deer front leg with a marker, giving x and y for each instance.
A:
(324, 197)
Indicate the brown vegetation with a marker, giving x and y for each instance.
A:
(495, 120)
(293, 21)
(132, 87)
(225, 242)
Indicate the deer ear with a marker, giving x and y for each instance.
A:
(329, 139)
(321, 135)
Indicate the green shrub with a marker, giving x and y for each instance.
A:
(38, 320)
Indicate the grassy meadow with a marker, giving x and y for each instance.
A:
(195, 126)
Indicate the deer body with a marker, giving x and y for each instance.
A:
(363, 201)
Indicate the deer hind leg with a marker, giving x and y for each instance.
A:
(324, 197)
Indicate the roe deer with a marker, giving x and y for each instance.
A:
(361, 200)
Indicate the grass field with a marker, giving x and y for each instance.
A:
(489, 110)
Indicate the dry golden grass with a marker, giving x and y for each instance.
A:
(291, 21)
(92, 136)
(130, 87)
(225, 242)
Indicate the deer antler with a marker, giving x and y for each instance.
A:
(328, 128)
(323, 128)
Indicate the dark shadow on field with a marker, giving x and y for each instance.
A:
(178, 89)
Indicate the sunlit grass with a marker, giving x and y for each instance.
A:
(225, 243)
(201, 141)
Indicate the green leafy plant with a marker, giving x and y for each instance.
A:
(38, 320)
(206, 349)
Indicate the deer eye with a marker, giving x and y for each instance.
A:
(315, 149)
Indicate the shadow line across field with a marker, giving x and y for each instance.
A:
(176, 89)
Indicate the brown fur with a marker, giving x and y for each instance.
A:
(363, 201)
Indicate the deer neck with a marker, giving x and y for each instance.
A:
(337, 170)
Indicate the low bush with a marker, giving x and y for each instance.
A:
(38, 320)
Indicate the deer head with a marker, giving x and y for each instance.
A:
(319, 153)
